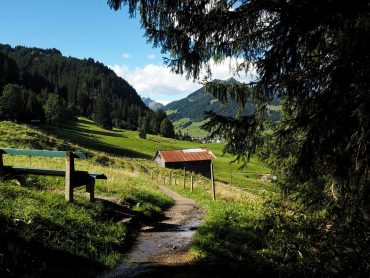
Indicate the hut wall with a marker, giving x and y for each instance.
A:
(158, 159)
(201, 167)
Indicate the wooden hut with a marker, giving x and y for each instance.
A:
(195, 160)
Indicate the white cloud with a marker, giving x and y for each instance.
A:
(163, 101)
(126, 55)
(156, 82)
(151, 56)
(159, 83)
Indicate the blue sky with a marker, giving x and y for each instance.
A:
(89, 28)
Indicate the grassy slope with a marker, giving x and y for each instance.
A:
(128, 143)
(193, 129)
(38, 230)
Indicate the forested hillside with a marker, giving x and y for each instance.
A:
(194, 106)
(44, 85)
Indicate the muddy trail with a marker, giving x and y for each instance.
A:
(165, 244)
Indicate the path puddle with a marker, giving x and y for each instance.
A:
(166, 243)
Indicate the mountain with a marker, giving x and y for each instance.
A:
(152, 104)
(187, 114)
(55, 86)
(195, 104)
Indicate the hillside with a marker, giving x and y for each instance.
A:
(128, 143)
(187, 114)
(42, 84)
(194, 105)
(152, 104)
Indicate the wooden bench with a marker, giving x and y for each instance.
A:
(73, 178)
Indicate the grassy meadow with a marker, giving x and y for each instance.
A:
(193, 129)
(127, 143)
(246, 231)
(38, 224)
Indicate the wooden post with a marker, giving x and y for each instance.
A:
(170, 181)
(213, 184)
(70, 168)
(175, 180)
(184, 176)
(90, 187)
(231, 175)
(191, 183)
(151, 174)
(1, 163)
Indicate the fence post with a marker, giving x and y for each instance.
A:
(70, 168)
(169, 182)
(213, 184)
(1, 163)
(191, 183)
(184, 176)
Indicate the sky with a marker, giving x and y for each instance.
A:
(90, 29)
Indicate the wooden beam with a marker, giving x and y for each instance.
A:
(213, 184)
(1, 164)
(90, 187)
(70, 167)
(45, 153)
(38, 171)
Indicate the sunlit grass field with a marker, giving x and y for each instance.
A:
(127, 143)
(93, 237)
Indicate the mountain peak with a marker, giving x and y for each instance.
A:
(152, 104)
(231, 80)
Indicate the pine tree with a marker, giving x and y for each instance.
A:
(33, 108)
(54, 110)
(167, 129)
(103, 113)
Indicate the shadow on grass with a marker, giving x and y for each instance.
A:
(84, 139)
(22, 257)
(231, 249)
(117, 212)
(74, 126)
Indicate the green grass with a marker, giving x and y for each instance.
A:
(128, 143)
(194, 129)
(42, 234)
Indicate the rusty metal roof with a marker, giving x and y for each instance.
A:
(187, 155)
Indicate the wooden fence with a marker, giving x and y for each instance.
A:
(175, 177)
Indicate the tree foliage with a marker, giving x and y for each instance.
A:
(54, 110)
(167, 129)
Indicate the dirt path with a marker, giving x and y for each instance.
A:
(164, 244)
